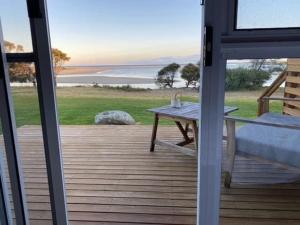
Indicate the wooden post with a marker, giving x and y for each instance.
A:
(230, 154)
(269, 91)
(266, 105)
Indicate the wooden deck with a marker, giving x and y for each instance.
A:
(113, 179)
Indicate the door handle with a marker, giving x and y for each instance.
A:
(208, 46)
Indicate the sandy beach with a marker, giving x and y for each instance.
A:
(71, 70)
(90, 79)
(93, 74)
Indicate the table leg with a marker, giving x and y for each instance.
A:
(187, 127)
(183, 131)
(195, 132)
(154, 132)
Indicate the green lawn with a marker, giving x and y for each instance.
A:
(79, 106)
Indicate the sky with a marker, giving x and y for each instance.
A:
(105, 32)
(114, 31)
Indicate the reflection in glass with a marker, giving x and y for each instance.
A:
(15, 23)
(258, 14)
(30, 140)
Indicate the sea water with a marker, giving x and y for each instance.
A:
(142, 76)
(123, 75)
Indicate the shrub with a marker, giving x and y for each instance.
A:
(127, 88)
(245, 79)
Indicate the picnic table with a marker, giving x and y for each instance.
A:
(184, 117)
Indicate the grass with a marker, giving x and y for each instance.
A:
(78, 106)
(248, 108)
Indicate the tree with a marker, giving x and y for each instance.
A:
(166, 76)
(257, 64)
(273, 65)
(191, 74)
(9, 46)
(24, 72)
(19, 72)
(59, 59)
(277, 66)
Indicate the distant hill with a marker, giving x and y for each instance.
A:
(167, 60)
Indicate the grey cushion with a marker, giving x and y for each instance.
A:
(272, 143)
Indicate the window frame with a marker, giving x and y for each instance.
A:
(256, 43)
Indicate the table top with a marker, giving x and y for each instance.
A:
(188, 110)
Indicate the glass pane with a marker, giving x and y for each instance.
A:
(15, 24)
(106, 72)
(258, 14)
(246, 82)
(30, 138)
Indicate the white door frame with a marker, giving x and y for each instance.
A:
(211, 118)
(227, 43)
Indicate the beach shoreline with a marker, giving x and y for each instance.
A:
(73, 70)
(90, 75)
(104, 80)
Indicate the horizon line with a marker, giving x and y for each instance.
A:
(106, 65)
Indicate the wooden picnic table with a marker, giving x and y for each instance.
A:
(184, 117)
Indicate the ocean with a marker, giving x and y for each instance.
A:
(135, 76)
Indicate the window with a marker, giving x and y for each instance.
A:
(267, 14)
(14, 19)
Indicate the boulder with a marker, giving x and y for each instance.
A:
(114, 117)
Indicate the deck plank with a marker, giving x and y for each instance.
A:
(113, 179)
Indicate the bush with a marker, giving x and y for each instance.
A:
(245, 79)
(127, 88)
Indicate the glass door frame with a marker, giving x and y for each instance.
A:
(5, 209)
(221, 42)
(9, 129)
(42, 59)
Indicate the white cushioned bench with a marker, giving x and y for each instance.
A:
(271, 137)
(272, 143)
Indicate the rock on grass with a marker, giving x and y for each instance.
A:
(115, 117)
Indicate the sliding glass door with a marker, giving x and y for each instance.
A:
(31, 165)
(235, 29)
